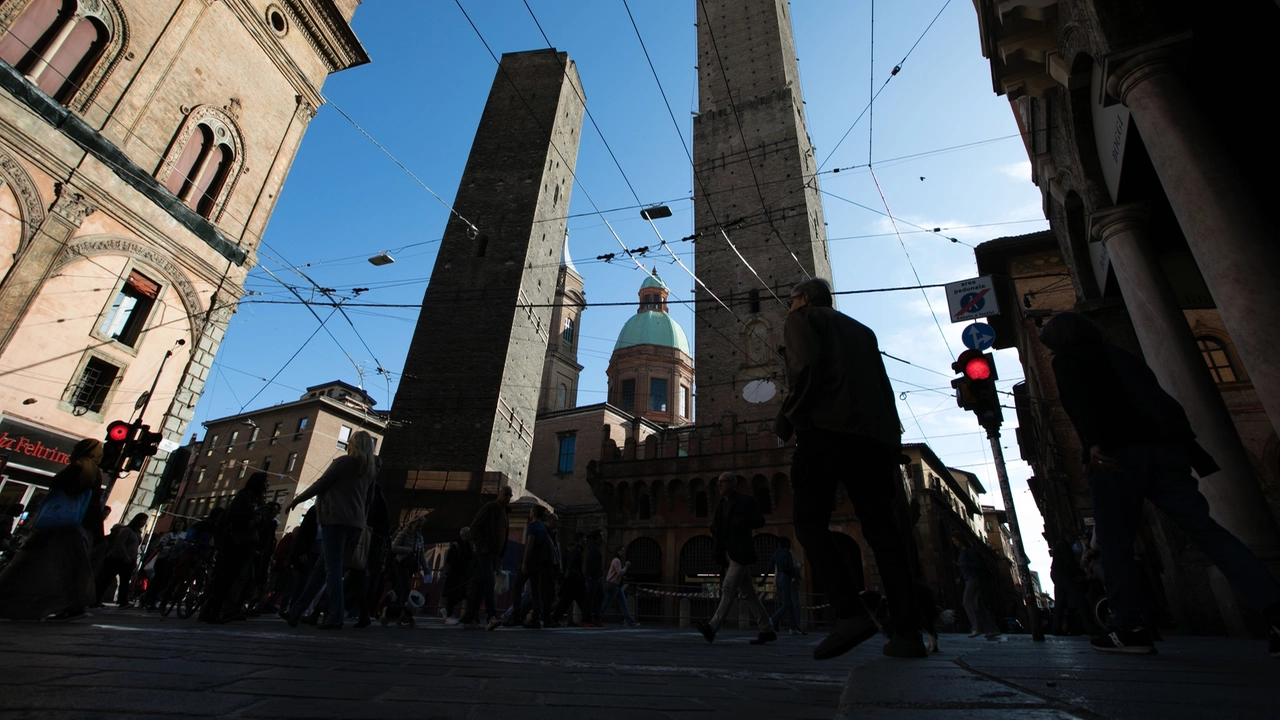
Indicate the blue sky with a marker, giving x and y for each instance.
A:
(422, 97)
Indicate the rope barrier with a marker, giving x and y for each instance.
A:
(668, 593)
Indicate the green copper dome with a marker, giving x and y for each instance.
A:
(653, 281)
(652, 328)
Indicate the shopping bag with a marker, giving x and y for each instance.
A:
(60, 511)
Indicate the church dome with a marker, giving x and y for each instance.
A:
(653, 281)
(652, 327)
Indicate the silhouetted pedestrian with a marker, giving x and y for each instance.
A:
(736, 516)
(489, 541)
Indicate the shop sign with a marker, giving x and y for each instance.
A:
(31, 447)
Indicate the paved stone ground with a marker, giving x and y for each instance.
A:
(122, 664)
(1190, 677)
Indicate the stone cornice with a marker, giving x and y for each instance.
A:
(328, 33)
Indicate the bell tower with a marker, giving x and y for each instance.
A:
(756, 195)
(560, 369)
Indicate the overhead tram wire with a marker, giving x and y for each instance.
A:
(896, 69)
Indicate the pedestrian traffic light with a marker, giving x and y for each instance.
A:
(976, 388)
(144, 444)
(113, 450)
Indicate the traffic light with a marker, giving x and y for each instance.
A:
(115, 447)
(144, 444)
(976, 388)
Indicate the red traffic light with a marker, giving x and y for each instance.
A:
(118, 431)
(977, 369)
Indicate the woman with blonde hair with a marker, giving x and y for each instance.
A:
(342, 496)
(52, 573)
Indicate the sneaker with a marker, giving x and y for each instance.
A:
(707, 631)
(633, 624)
(77, 613)
(974, 634)
(846, 634)
(493, 624)
(444, 613)
(906, 646)
(1133, 642)
(471, 626)
(764, 637)
(451, 621)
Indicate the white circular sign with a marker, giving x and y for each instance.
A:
(759, 391)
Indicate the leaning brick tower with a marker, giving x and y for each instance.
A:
(463, 416)
(755, 187)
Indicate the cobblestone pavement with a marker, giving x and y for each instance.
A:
(123, 664)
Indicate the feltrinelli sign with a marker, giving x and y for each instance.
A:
(32, 447)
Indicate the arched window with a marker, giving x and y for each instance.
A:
(645, 511)
(59, 45)
(203, 161)
(698, 557)
(1218, 359)
(645, 556)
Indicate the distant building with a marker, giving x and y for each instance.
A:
(293, 442)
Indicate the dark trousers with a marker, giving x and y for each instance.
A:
(1068, 595)
(455, 591)
(226, 570)
(572, 590)
(868, 472)
(327, 574)
(122, 570)
(595, 598)
(1162, 474)
(480, 586)
(537, 578)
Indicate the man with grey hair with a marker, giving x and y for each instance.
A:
(841, 410)
(736, 516)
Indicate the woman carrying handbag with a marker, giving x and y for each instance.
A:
(341, 494)
(52, 573)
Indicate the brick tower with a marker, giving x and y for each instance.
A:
(462, 421)
(560, 369)
(755, 183)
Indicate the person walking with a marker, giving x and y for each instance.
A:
(614, 584)
(786, 578)
(972, 573)
(573, 586)
(841, 411)
(236, 539)
(122, 559)
(1068, 575)
(535, 566)
(342, 494)
(1138, 445)
(457, 568)
(555, 568)
(408, 557)
(52, 574)
(592, 572)
(489, 541)
(736, 516)
(7, 521)
(167, 549)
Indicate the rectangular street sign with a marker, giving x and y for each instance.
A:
(970, 299)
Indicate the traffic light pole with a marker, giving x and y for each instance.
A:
(1024, 571)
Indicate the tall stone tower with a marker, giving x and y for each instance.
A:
(560, 368)
(755, 187)
(462, 421)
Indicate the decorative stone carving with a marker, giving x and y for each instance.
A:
(306, 111)
(71, 205)
(232, 108)
(29, 202)
(108, 13)
(151, 256)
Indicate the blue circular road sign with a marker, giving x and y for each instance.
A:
(978, 336)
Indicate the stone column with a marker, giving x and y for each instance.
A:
(1235, 247)
(1235, 497)
(32, 267)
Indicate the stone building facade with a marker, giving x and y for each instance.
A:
(465, 408)
(293, 442)
(143, 146)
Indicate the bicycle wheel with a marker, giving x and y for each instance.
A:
(189, 603)
(1102, 613)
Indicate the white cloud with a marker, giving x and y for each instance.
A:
(1020, 171)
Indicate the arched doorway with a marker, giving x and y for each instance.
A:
(645, 556)
(698, 565)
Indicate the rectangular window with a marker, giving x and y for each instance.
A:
(628, 399)
(291, 462)
(200, 476)
(684, 401)
(253, 437)
(302, 427)
(344, 436)
(266, 464)
(244, 469)
(567, 445)
(275, 434)
(567, 334)
(129, 311)
(231, 441)
(658, 394)
(94, 385)
(213, 443)
(222, 471)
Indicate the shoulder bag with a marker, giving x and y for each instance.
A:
(60, 511)
(356, 556)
